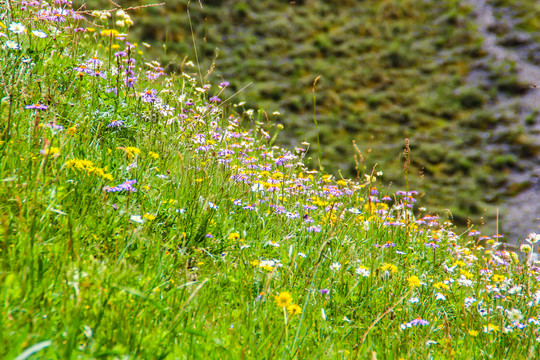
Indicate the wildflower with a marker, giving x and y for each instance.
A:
(414, 281)
(149, 96)
(514, 315)
(414, 300)
(272, 243)
(362, 270)
(72, 130)
(301, 254)
(441, 285)
(419, 322)
(17, 28)
(125, 186)
(283, 299)
(473, 332)
(234, 236)
(215, 99)
(335, 266)
(469, 301)
(153, 155)
(40, 34)
(136, 219)
(324, 291)
(149, 217)
(533, 238)
(294, 309)
(525, 248)
(50, 151)
(439, 296)
(36, 107)
(115, 124)
(490, 327)
(390, 268)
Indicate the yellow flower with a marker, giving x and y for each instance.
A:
(498, 278)
(441, 285)
(390, 268)
(149, 217)
(72, 130)
(109, 32)
(465, 273)
(234, 236)
(294, 309)
(255, 262)
(414, 281)
(51, 151)
(283, 299)
(490, 327)
(473, 332)
(153, 155)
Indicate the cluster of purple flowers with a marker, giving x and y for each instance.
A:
(125, 186)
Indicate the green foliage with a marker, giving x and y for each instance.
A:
(141, 217)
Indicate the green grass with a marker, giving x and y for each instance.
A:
(222, 224)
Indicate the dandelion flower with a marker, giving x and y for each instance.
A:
(283, 299)
(294, 309)
(414, 281)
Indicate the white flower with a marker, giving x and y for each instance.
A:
(362, 270)
(514, 315)
(414, 300)
(533, 238)
(301, 254)
(40, 34)
(463, 281)
(440, 296)
(11, 45)
(335, 266)
(272, 243)
(323, 314)
(136, 219)
(17, 28)
(515, 289)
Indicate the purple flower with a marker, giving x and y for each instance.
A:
(419, 321)
(324, 291)
(224, 84)
(125, 186)
(215, 99)
(116, 123)
(36, 107)
(149, 96)
(314, 229)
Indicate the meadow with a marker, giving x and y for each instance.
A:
(389, 69)
(144, 214)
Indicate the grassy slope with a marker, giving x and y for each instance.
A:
(390, 70)
(222, 223)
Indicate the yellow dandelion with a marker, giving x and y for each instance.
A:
(234, 236)
(473, 332)
(414, 281)
(283, 299)
(294, 309)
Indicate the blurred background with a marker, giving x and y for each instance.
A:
(455, 77)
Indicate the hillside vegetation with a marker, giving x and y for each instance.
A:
(389, 70)
(140, 218)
